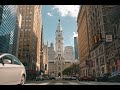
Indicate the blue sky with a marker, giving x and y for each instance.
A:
(68, 16)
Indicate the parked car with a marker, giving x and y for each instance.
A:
(12, 71)
(74, 77)
(68, 78)
(115, 77)
(103, 78)
(39, 78)
(86, 78)
(52, 78)
(46, 78)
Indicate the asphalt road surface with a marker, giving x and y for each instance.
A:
(69, 82)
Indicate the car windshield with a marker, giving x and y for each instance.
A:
(115, 73)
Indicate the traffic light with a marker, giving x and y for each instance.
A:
(99, 37)
(94, 39)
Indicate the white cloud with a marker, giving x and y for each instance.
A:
(49, 14)
(67, 10)
(74, 34)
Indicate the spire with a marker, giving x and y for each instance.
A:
(59, 28)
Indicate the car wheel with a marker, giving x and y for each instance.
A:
(22, 82)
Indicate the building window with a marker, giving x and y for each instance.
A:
(100, 60)
(97, 61)
(102, 70)
(96, 52)
(25, 29)
(30, 12)
(26, 20)
(21, 29)
(24, 39)
(93, 55)
(59, 68)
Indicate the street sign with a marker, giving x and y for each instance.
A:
(108, 38)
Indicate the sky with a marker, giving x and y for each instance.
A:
(68, 18)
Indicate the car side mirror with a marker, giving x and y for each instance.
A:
(6, 61)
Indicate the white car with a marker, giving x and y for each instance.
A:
(12, 71)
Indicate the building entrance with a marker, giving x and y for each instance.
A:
(59, 74)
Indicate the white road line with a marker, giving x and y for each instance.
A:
(58, 83)
(88, 83)
(37, 83)
(43, 84)
(30, 84)
(73, 83)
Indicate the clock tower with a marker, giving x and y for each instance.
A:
(59, 40)
(59, 57)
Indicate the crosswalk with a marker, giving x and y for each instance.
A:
(57, 83)
(65, 83)
(73, 83)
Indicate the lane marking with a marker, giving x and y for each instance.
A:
(58, 83)
(43, 83)
(73, 83)
(37, 83)
(88, 83)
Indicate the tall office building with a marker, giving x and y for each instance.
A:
(8, 14)
(76, 47)
(51, 57)
(42, 51)
(17, 34)
(69, 53)
(45, 59)
(83, 41)
(30, 36)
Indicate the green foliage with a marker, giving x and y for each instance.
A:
(73, 68)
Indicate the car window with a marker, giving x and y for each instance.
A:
(7, 57)
(16, 61)
(0, 60)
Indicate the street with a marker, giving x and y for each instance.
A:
(69, 82)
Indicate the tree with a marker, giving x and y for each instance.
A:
(73, 69)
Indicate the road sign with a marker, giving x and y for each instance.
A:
(108, 38)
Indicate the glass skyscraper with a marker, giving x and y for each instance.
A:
(76, 47)
(8, 14)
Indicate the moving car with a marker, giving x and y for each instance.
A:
(12, 71)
